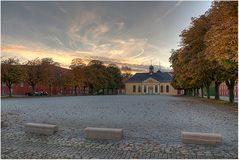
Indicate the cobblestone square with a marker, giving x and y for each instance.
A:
(152, 127)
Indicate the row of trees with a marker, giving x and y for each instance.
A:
(94, 75)
(208, 51)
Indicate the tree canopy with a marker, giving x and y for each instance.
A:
(11, 72)
(208, 50)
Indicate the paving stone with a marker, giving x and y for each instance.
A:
(140, 141)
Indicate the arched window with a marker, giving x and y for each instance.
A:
(139, 88)
(167, 88)
(134, 88)
(161, 88)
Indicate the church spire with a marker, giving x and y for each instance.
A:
(151, 68)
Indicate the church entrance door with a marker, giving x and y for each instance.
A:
(150, 90)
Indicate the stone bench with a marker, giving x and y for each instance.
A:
(103, 133)
(41, 128)
(201, 138)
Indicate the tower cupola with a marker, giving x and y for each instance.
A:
(151, 69)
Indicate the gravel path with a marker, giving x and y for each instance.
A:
(155, 119)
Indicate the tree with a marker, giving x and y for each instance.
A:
(33, 73)
(48, 72)
(67, 81)
(12, 73)
(114, 75)
(222, 40)
(78, 68)
(191, 70)
(199, 62)
(219, 77)
(96, 75)
(208, 51)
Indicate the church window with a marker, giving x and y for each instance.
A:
(139, 88)
(161, 88)
(167, 88)
(134, 88)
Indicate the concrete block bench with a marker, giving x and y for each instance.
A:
(201, 138)
(41, 128)
(103, 133)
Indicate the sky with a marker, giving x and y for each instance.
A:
(133, 34)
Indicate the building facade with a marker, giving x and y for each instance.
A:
(223, 90)
(23, 88)
(151, 83)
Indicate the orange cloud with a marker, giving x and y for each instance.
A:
(63, 57)
(26, 53)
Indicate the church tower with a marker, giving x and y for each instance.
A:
(151, 69)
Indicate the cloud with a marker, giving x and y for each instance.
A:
(61, 8)
(170, 10)
(24, 52)
(65, 57)
(100, 38)
(85, 34)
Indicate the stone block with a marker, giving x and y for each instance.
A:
(41, 128)
(201, 138)
(103, 133)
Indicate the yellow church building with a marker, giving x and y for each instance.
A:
(150, 83)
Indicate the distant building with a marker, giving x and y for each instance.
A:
(223, 90)
(151, 83)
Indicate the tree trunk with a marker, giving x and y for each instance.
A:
(75, 90)
(64, 91)
(10, 90)
(91, 90)
(197, 91)
(202, 92)
(84, 90)
(208, 91)
(33, 88)
(185, 92)
(50, 90)
(217, 84)
(230, 86)
(194, 92)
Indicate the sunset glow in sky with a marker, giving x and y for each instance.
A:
(125, 33)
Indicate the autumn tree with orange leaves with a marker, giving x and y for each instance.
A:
(11, 73)
(222, 40)
(208, 51)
